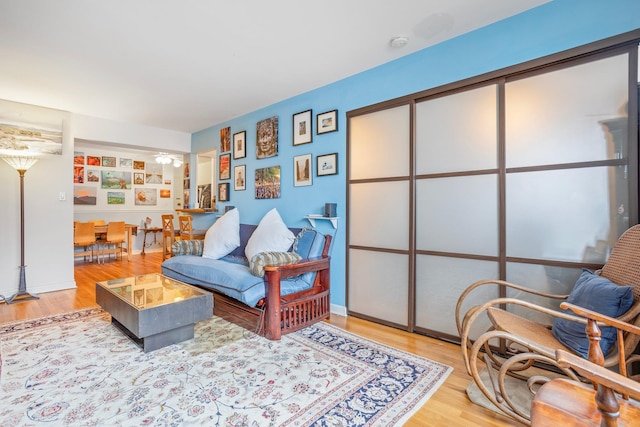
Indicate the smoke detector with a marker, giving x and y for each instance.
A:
(398, 41)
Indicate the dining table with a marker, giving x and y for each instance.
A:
(129, 229)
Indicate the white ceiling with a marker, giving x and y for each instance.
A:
(190, 64)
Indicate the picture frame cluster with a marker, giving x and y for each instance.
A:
(233, 146)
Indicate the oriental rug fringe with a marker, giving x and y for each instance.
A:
(79, 369)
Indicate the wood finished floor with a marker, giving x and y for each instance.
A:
(449, 406)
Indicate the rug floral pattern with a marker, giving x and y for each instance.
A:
(78, 369)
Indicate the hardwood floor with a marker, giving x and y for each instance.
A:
(449, 406)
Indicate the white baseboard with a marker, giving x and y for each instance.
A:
(340, 310)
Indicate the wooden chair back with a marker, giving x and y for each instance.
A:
(84, 236)
(168, 235)
(98, 221)
(570, 403)
(115, 232)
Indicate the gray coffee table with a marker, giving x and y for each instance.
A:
(154, 310)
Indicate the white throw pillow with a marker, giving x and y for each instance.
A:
(271, 235)
(223, 236)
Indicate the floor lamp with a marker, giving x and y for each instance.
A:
(21, 164)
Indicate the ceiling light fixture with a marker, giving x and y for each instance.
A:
(166, 159)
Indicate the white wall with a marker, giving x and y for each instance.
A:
(48, 220)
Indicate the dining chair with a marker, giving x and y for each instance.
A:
(84, 237)
(186, 229)
(168, 235)
(115, 237)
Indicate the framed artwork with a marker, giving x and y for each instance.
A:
(138, 164)
(93, 175)
(223, 192)
(302, 128)
(240, 177)
(108, 161)
(267, 138)
(78, 174)
(225, 166)
(302, 170)
(239, 145)
(126, 163)
(84, 195)
(268, 183)
(225, 139)
(78, 158)
(327, 122)
(153, 173)
(138, 178)
(93, 161)
(114, 180)
(327, 164)
(115, 197)
(146, 196)
(204, 196)
(165, 194)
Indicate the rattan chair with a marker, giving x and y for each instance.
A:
(562, 402)
(114, 240)
(527, 341)
(84, 237)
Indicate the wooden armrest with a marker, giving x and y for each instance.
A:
(609, 321)
(598, 374)
(301, 267)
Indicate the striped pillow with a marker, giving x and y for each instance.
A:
(260, 260)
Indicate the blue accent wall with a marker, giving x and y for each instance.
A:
(547, 29)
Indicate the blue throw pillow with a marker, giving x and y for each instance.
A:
(598, 294)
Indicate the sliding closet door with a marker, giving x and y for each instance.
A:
(379, 216)
(457, 205)
(567, 163)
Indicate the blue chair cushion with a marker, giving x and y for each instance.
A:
(598, 294)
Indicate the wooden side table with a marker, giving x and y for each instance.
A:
(153, 230)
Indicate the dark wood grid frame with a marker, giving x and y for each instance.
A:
(626, 42)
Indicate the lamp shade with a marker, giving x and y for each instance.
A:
(20, 162)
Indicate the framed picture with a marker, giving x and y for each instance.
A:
(239, 145)
(116, 180)
(78, 158)
(268, 183)
(302, 128)
(146, 196)
(93, 161)
(327, 122)
(126, 163)
(138, 165)
(93, 175)
(225, 166)
(138, 178)
(223, 192)
(225, 139)
(164, 193)
(84, 195)
(267, 138)
(302, 170)
(327, 164)
(240, 178)
(108, 161)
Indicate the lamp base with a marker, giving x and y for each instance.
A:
(21, 296)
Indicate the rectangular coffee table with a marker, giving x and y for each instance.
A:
(154, 310)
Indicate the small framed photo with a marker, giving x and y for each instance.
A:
(109, 161)
(240, 177)
(327, 164)
(126, 163)
(327, 122)
(138, 165)
(225, 166)
(302, 127)
(302, 170)
(223, 192)
(225, 139)
(239, 145)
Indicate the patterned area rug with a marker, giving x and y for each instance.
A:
(78, 369)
